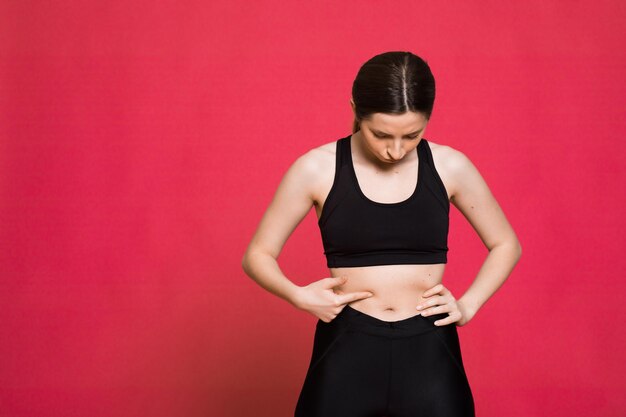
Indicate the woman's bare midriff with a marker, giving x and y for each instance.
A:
(397, 289)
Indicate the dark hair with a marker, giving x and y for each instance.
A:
(393, 83)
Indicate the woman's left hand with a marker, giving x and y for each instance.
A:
(440, 300)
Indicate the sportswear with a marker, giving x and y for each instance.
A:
(364, 366)
(357, 231)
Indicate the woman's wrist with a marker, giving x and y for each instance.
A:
(294, 296)
(468, 308)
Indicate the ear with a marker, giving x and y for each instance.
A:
(352, 104)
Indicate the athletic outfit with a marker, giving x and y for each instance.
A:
(357, 231)
(362, 366)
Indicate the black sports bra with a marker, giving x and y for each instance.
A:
(357, 231)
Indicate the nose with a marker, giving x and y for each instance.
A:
(395, 151)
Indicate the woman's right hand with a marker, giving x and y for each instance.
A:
(319, 299)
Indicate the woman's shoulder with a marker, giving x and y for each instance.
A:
(452, 165)
(325, 149)
(447, 157)
(316, 166)
(321, 157)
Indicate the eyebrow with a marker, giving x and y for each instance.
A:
(384, 133)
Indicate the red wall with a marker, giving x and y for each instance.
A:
(141, 141)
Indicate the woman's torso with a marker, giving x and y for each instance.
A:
(397, 289)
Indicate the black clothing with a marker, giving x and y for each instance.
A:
(357, 231)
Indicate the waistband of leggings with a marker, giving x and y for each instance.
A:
(411, 326)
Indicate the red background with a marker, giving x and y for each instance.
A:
(141, 141)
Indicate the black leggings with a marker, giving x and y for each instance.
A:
(362, 366)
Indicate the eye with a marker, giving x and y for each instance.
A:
(386, 136)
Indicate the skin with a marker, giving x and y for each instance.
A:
(386, 169)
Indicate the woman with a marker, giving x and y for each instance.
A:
(386, 341)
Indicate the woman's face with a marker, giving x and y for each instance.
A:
(389, 137)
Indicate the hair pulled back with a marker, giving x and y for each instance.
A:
(393, 82)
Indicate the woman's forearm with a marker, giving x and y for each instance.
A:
(264, 270)
(495, 270)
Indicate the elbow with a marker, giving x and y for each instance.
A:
(251, 257)
(245, 263)
(518, 250)
(512, 247)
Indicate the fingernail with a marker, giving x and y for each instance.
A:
(419, 307)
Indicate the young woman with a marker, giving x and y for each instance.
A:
(386, 341)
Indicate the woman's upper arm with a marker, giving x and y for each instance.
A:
(472, 196)
(291, 202)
